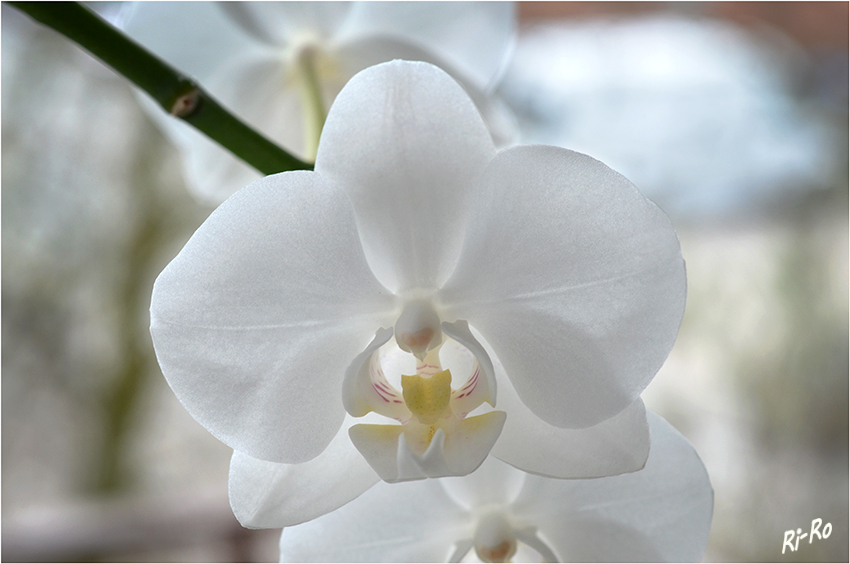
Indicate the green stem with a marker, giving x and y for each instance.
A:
(175, 92)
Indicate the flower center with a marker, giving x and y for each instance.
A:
(427, 395)
(435, 437)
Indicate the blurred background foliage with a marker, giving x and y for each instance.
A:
(99, 460)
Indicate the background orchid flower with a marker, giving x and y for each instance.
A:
(279, 65)
(414, 233)
(499, 514)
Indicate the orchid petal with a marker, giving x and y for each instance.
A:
(662, 513)
(615, 446)
(269, 495)
(261, 89)
(198, 49)
(405, 522)
(362, 52)
(574, 277)
(280, 23)
(407, 143)
(257, 318)
(475, 37)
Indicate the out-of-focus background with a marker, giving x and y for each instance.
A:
(732, 116)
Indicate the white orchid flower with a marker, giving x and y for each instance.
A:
(498, 514)
(415, 233)
(279, 65)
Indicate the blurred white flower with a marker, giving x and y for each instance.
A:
(499, 514)
(413, 225)
(279, 65)
(698, 113)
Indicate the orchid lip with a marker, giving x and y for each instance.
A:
(435, 437)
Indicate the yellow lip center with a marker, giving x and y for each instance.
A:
(427, 397)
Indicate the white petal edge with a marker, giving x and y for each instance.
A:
(574, 278)
(407, 144)
(660, 514)
(477, 38)
(269, 495)
(252, 324)
(404, 522)
(362, 52)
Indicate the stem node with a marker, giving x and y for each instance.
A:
(186, 104)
